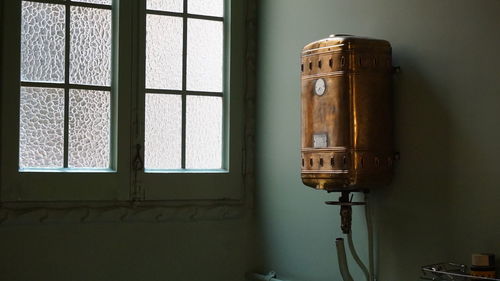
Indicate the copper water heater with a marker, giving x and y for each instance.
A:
(347, 136)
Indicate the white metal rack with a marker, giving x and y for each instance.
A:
(450, 272)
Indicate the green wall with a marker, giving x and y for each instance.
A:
(180, 251)
(443, 203)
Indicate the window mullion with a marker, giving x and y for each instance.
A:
(138, 67)
(66, 82)
(113, 134)
(176, 14)
(184, 83)
(138, 85)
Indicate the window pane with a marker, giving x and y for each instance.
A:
(203, 132)
(41, 128)
(104, 2)
(42, 42)
(165, 5)
(89, 129)
(163, 52)
(90, 54)
(205, 7)
(204, 55)
(162, 145)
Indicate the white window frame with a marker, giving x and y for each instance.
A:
(200, 184)
(128, 181)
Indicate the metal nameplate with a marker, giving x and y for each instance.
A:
(320, 140)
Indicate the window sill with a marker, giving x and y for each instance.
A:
(17, 213)
(186, 171)
(65, 170)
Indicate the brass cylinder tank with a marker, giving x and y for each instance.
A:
(346, 102)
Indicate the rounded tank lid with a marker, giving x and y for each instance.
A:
(340, 41)
(339, 35)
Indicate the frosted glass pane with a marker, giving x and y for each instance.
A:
(204, 55)
(163, 52)
(203, 132)
(41, 130)
(89, 128)
(90, 54)
(104, 2)
(42, 42)
(165, 5)
(162, 144)
(206, 7)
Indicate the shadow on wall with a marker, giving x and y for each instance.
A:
(411, 215)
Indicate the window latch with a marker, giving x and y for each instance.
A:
(138, 162)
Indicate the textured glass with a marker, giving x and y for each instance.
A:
(163, 52)
(90, 54)
(204, 55)
(42, 42)
(104, 2)
(206, 7)
(89, 129)
(162, 144)
(203, 132)
(165, 5)
(41, 130)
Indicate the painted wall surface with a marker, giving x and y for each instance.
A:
(183, 251)
(443, 203)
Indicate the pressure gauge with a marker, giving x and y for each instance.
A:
(320, 87)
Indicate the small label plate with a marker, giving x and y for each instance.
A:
(320, 140)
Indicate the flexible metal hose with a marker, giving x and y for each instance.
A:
(344, 270)
(356, 257)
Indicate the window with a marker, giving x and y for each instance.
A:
(122, 100)
(184, 85)
(65, 94)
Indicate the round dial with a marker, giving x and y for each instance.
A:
(320, 87)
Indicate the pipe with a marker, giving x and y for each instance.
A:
(356, 257)
(271, 276)
(369, 227)
(344, 270)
